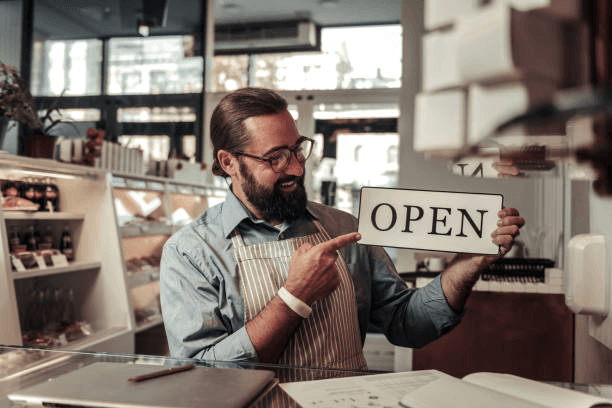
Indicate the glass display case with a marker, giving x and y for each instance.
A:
(148, 210)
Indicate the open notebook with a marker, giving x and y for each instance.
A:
(106, 385)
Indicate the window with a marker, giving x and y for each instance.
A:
(230, 73)
(157, 114)
(358, 151)
(392, 154)
(367, 57)
(153, 65)
(68, 68)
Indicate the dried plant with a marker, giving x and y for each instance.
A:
(16, 101)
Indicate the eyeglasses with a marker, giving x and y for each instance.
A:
(279, 159)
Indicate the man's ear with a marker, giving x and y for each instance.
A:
(228, 162)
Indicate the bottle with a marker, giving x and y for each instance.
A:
(47, 238)
(51, 197)
(10, 188)
(69, 309)
(14, 240)
(28, 190)
(39, 194)
(31, 242)
(66, 244)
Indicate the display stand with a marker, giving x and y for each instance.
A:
(148, 210)
(106, 298)
(53, 301)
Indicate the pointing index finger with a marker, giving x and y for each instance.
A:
(335, 244)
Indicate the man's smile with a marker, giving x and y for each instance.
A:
(288, 184)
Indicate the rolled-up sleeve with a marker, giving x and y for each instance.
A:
(202, 310)
(408, 317)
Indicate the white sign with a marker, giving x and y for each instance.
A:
(429, 220)
(59, 259)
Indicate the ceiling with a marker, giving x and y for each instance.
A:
(55, 19)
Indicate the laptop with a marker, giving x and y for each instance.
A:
(105, 384)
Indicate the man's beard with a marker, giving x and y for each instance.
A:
(273, 203)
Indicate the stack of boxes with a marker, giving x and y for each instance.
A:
(487, 61)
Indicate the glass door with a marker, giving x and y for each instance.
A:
(356, 144)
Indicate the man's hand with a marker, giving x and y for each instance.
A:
(463, 272)
(312, 272)
(508, 228)
(312, 276)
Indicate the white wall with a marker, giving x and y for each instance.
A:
(593, 360)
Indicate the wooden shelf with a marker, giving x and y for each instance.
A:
(95, 338)
(148, 323)
(142, 277)
(145, 230)
(73, 267)
(42, 215)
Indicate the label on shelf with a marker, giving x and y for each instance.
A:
(40, 261)
(59, 259)
(17, 264)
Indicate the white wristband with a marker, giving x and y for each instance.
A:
(294, 303)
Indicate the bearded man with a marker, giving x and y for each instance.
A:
(269, 276)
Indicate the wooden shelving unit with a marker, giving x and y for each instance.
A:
(116, 221)
(99, 297)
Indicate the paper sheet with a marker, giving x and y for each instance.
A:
(450, 392)
(381, 390)
(545, 394)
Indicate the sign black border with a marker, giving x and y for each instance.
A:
(430, 191)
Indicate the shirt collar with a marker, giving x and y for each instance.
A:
(234, 212)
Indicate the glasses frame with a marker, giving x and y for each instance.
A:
(292, 152)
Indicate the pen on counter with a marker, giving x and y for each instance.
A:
(160, 373)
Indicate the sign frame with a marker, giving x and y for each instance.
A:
(437, 244)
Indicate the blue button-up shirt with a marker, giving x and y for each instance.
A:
(201, 298)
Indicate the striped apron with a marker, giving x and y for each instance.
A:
(330, 337)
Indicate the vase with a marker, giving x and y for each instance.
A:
(40, 146)
(4, 122)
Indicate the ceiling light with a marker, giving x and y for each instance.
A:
(231, 7)
(329, 3)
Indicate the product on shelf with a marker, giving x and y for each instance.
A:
(66, 244)
(30, 194)
(11, 188)
(30, 239)
(50, 197)
(51, 319)
(47, 239)
(15, 242)
(11, 203)
(75, 331)
(28, 190)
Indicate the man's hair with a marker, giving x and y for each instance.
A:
(227, 130)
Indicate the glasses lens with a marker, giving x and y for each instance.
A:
(280, 160)
(303, 150)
